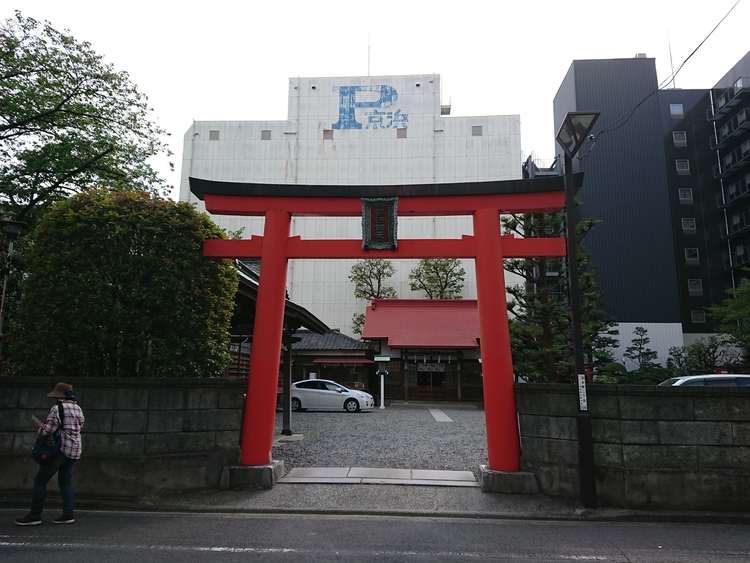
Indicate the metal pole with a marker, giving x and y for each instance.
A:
(587, 473)
(8, 265)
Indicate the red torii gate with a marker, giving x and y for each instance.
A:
(484, 201)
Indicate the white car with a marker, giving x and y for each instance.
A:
(328, 395)
(723, 379)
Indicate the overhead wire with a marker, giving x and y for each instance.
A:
(628, 114)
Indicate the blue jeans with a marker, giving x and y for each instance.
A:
(64, 467)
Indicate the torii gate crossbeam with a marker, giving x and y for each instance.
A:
(483, 201)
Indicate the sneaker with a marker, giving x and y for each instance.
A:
(64, 519)
(28, 521)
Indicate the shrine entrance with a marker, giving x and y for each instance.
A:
(483, 201)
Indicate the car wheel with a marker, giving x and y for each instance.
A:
(351, 405)
(296, 405)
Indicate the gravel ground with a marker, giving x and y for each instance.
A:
(398, 437)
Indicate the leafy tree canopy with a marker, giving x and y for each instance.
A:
(118, 286)
(733, 316)
(439, 278)
(68, 122)
(370, 277)
(539, 313)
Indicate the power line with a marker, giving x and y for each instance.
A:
(628, 114)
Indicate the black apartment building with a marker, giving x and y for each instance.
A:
(668, 176)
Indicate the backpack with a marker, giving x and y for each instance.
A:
(48, 447)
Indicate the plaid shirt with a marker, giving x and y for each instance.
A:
(73, 420)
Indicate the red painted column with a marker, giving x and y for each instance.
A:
(503, 443)
(260, 404)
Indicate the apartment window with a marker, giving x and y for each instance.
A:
(265, 134)
(688, 225)
(692, 257)
(695, 288)
(401, 133)
(213, 135)
(675, 110)
(476, 130)
(679, 138)
(682, 165)
(328, 134)
(698, 316)
(686, 195)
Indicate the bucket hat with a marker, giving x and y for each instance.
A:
(62, 391)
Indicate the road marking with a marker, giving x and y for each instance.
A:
(440, 416)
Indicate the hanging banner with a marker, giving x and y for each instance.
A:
(379, 223)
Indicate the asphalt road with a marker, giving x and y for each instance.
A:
(157, 536)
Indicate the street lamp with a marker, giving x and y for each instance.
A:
(573, 132)
(12, 231)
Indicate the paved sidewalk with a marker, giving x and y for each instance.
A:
(378, 476)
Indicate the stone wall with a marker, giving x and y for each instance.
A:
(140, 436)
(654, 447)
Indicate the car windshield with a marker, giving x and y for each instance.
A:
(670, 381)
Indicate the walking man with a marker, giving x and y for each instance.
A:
(65, 462)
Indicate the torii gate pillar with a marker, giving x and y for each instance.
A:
(503, 445)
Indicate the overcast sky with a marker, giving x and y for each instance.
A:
(231, 60)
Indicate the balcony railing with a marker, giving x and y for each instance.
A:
(737, 260)
(739, 224)
(738, 124)
(734, 192)
(733, 162)
(728, 99)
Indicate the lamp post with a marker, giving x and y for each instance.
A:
(12, 231)
(573, 132)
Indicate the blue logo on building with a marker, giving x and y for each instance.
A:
(376, 119)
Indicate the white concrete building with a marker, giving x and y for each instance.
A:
(384, 130)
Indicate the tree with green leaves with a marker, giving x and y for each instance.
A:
(370, 278)
(118, 287)
(638, 352)
(733, 317)
(702, 356)
(439, 278)
(68, 122)
(538, 308)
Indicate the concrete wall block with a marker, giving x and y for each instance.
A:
(699, 433)
(200, 420)
(9, 397)
(203, 398)
(639, 431)
(167, 398)
(734, 407)
(179, 442)
(129, 421)
(165, 421)
(659, 457)
(228, 441)
(605, 430)
(233, 397)
(564, 452)
(604, 402)
(608, 455)
(23, 442)
(741, 433)
(98, 398)
(549, 399)
(113, 446)
(656, 408)
(131, 398)
(535, 449)
(687, 490)
(98, 420)
(6, 441)
(610, 486)
(541, 426)
(723, 458)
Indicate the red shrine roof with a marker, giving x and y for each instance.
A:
(423, 323)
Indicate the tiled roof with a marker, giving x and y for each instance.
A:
(331, 340)
(423, 323)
